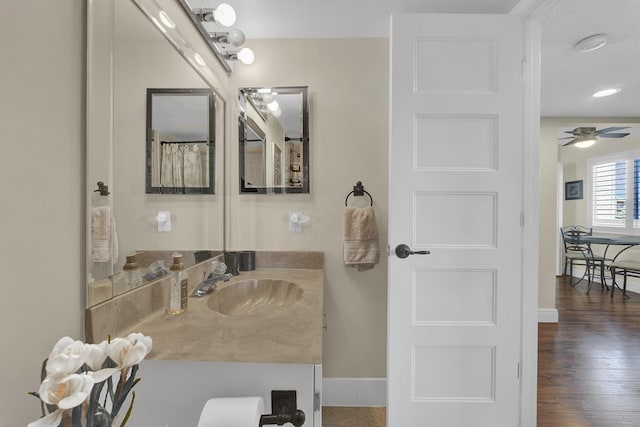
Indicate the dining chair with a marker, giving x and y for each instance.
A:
(578, 252)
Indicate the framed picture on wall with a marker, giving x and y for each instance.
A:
(573, 190)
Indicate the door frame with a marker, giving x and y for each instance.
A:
(530, 10)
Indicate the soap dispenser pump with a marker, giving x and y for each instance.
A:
(179, 285)
(132, 275)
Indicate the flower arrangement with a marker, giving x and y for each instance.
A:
(74, 378)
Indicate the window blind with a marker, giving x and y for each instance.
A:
(609, 194)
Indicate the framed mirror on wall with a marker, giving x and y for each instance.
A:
(273, 139)
(180, 143)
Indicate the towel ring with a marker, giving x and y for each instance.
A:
(358, 190)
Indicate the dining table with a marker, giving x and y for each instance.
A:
(613, 242)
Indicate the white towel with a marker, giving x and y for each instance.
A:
(100, 234)
(360, 244)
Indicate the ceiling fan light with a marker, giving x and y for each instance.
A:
(588, 142)
(606, 92)
(591, 43)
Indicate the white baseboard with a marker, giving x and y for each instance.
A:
(547, 315)
(354, 392)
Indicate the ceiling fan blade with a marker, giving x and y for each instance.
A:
(613, 135)
(566, 137)
(573, 141)
(611, 129)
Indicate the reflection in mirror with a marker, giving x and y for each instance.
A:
(274, 140)
(127, 54)
(180, 141)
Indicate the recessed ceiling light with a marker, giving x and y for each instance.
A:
(606, 92)
(591, 43)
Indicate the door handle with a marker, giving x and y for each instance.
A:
(403, 251)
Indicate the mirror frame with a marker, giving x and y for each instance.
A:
(149, 188)
(304, 139)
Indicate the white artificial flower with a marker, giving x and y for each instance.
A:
(66, 392)
(67, 356)
(97, 354)
(126, 352)
(136, 337)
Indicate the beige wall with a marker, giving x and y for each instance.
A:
(574, 163)
(42, 187)
(348, 96)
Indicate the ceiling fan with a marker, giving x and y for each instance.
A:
(586, 136)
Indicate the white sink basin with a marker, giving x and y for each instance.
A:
(255, 296)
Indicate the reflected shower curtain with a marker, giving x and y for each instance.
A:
(181, 165)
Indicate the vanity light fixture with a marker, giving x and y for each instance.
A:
(158, 24)
(164, 18)
(273, 105)
(234, 37)
(224, 14)
(606, 92)
(199, 59)
(244, 55)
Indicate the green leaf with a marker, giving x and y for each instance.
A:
(126, 417)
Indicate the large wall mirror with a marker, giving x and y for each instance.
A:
(273, 139)
(180, 141)
(127, 56)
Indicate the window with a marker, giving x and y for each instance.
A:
(614, 189)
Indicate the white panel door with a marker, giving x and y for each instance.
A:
(455, 190)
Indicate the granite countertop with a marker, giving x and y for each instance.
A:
(290, 334)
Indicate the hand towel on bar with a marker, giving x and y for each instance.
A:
(360, 244)
(100, 234)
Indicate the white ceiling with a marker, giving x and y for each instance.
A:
(569, 78)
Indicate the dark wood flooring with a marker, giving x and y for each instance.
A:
(589, 362)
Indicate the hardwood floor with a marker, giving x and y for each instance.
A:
(589, 363)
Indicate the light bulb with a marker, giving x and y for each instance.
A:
(267, 98)
(225, 15)
(246, 56)
(158, 24)
(273, 105)
(166, 20)
(199, 59)
(235, 37)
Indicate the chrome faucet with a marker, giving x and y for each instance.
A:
(209, 285)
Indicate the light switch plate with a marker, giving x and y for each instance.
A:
(164, 221)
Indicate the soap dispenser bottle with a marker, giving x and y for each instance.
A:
(179, 285)
(132, 275)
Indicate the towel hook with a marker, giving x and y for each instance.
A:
(358, 190)
(102, 189)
